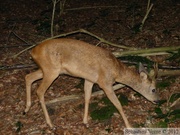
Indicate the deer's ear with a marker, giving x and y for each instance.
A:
(142, 71)
(142, 68)
(143, 76)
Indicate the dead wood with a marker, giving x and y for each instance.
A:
(148, 52)
(147, 13)
(130, 51)
(75, 97)
(21, 66)
(168, 73)
(75, 32)
(175, 105)
(12, 46)
(115, 87)
(18, 66)
(92, 7)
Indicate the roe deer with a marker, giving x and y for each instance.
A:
(94, 64)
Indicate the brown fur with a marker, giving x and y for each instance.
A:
(94, 64)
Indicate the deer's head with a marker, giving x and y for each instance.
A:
(148, 84)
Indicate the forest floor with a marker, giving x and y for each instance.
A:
(24, 23)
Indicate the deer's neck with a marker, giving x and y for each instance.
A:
(130, 78)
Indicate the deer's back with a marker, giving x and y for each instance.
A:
(75, 58)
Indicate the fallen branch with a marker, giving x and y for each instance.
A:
(19, 37)
(168, 73)
(147, 52)
(62, 35)
(163, 67)
(18, 66)
(64, 99)
(101, 92)
(12, 46)
(94, 7)
(91, 34)
(74, 32)
(75, 97)
(131, 51)
(21, 66)
(105, 41)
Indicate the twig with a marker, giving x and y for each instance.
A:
(18, 66)
(131, 51)
(62, 4)
(62, 35)
(10, 33)
(11, 46)
(105, 41)
(93, 35)
(168, 73)
(175, 104)
(101, 92)
(63, 99)
(145, 17)
(20, 38)
(52, 19)
(14, 56)
(83, 8)
(75, 97)
(148, 5)
(174, 68)
(147, 51)
(74, 32)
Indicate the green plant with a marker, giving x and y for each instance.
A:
(105, 112)
(175, 57)
(163, 84)
(18, 125)
(170, 116)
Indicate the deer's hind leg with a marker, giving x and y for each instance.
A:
(30, 78)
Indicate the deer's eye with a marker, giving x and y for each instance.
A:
(153, 90)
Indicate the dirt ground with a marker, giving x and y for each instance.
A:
(24, 23)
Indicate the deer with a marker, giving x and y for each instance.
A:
(94, 64)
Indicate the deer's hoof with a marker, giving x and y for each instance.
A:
(53, 128)
(86, 125)
(24, 113)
